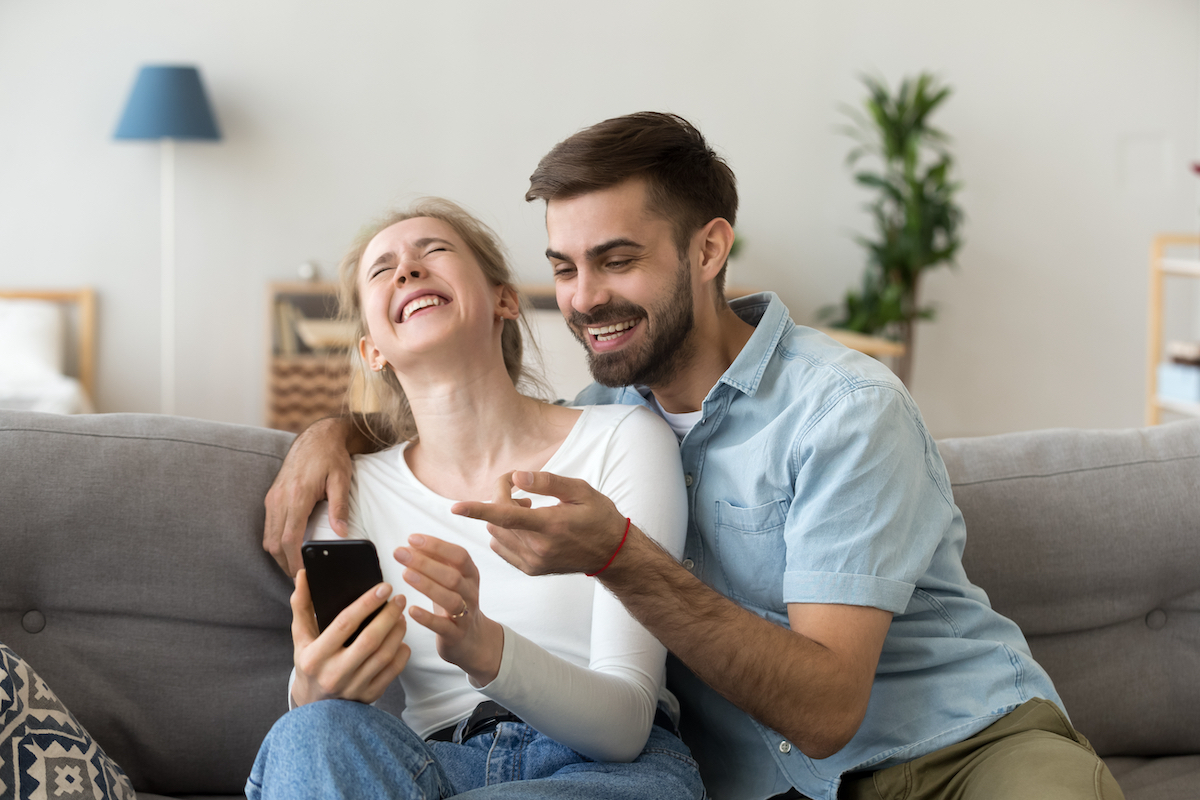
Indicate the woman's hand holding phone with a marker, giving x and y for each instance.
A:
(328, 669)
(445, 574)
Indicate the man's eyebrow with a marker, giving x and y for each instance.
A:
(598, 250)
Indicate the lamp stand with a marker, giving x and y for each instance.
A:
(167, 277)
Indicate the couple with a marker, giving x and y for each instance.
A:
(825, 641)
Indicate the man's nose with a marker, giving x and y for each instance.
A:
(591, 292)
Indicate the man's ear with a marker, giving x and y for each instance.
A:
(508, 303)
(715, 241)
(370, 354)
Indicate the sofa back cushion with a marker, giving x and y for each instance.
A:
(1090, 541)
(132, 577)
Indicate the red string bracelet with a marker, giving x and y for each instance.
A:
(614, 555)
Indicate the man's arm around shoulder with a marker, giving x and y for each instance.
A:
(317, 466)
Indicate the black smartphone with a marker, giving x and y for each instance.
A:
(339, 572)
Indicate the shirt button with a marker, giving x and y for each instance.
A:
(688, 564)
(785, 747)
(687, 480)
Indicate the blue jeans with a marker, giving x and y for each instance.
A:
(343, 749)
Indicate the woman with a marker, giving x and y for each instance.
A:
(514, 686)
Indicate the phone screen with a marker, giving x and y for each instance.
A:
(339, 572)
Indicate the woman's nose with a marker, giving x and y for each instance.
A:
(402, 275)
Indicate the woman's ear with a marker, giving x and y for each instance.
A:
(370, 354)
(508, 303)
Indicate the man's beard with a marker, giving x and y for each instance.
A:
(666, 346)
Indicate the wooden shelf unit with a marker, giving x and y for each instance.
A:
(1161, 267)
(303, 385)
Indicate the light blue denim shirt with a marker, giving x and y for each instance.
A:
(811, 479)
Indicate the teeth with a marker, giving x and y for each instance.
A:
(607, 333)
(419, 303)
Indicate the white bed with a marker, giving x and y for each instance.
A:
(47, 351)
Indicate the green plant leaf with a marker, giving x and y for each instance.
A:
(915, 215)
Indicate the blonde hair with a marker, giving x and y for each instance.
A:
(396, 422)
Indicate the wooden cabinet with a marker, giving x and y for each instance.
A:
(308, 371)
(1165, 263)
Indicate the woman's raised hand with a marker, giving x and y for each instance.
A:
(326, 669)
(446, 574)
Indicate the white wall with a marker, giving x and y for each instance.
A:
(1074, 122)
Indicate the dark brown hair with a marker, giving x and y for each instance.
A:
(688, 184)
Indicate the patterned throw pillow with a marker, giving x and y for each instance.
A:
(45, 754)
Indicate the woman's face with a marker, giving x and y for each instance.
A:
(422, 289)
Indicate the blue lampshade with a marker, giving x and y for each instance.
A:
(168, 102)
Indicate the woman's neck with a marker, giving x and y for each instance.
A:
(472, 427)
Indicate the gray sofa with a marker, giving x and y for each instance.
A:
(132, 579)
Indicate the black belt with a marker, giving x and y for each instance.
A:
(488, 714)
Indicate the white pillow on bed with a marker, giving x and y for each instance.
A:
(31, 339)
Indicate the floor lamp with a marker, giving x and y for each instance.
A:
(168, 103)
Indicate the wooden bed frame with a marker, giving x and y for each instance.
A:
(83, 301)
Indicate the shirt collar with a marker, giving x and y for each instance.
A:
(769, 316)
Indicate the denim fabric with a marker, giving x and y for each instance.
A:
(811, 479)
(342, 749)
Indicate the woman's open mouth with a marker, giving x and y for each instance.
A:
(421, 303)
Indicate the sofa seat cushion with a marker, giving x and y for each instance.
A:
(134, 579)
(1089, 541)
(1169, 778)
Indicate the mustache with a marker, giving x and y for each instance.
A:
(606, 314)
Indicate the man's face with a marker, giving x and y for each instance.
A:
(622, 285)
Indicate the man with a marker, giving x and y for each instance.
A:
(828, 642)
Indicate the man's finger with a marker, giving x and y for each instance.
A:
(272, 531)
(506, 515)
(510, 555)
(568, 490)
(304, 620)
(337, 489)
(503, 490)
(294, 527)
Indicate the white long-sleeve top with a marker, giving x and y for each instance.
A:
(576, 666)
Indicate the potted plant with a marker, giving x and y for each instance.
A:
(916, 217)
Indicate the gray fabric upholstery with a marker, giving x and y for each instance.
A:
(166, 632)
(137, 539)
(1090, 541)
(166, 627)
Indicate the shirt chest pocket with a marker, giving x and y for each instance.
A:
(752, 553)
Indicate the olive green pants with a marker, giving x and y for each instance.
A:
(1030, 753)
